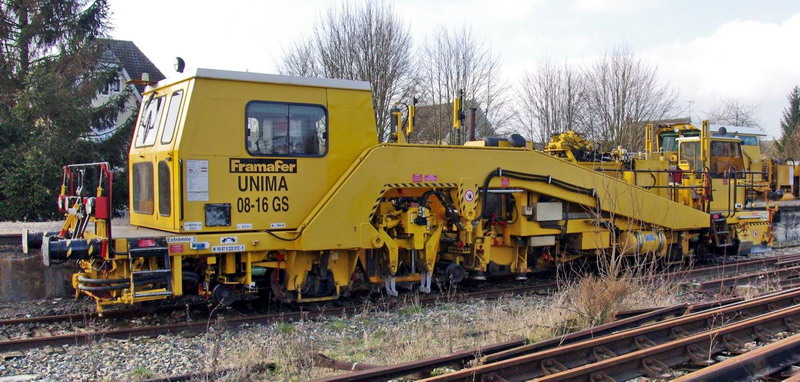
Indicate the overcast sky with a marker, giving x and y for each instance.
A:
(708, 50)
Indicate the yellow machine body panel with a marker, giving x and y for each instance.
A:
(251, 183)
(249, 155)
(348, 201)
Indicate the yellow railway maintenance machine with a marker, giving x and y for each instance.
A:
(253, 183)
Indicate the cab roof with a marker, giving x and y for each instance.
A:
(265, 78)
(742, 130)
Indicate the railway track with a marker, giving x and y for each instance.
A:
(651, 350)
(19, 344)
(11, 239)
(540, 359)
(770, 362)
(504, 351)
(233, 323)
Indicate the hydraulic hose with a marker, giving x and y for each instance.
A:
(533, 178)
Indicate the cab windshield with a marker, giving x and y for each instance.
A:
(148, 122)
(726, 156)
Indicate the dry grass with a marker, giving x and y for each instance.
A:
(414, 332)
(593, 300)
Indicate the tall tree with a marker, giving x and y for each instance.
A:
(623, 91)
(731, 111)
(551, 101)
(451, 60)
(365, 42)
(789, 143)
(49, 75)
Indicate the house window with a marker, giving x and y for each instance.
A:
(273, 128)
(110, 87)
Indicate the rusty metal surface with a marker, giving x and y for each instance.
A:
(587, 353)
(756, 364)
(771, 275)
(124, 333)
(82, 317)
(691, 308)
(657, 361)
(586, 334)
(422, 366)
(11, 239)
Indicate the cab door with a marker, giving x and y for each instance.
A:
(166, 166)
(726, 166)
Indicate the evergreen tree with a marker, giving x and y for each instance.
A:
(50, 72)
(789, 143)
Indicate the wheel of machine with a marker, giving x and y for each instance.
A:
(701, 252)
(223, 295)
(455, 273)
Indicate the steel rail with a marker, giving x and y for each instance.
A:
(492, 353)
(575, 355)
(201, 326)
(644, 318)
(75, 317)
(691, 308)
(730, 282)
(756, 364)
(460, 358)
(11, 239)
(717, 270)
(697, 350)
(131, 313)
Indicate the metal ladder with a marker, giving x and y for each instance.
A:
(721, 233)
(163, 273)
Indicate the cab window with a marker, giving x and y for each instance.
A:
(172, 116)
(749, 141)
(164, 195)
(148, 122)
(143, 188)
(273, 128)
(725, 156)
(690, 152)
(669, 142)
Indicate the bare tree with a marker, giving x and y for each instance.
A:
(621, 92)
(457, 59)
(731, 111)
(550, 101)
(366, 42)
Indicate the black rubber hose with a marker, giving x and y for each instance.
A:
(87, 280)
(533, 178)
(104, 288)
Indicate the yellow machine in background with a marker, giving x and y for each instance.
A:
(247, 183)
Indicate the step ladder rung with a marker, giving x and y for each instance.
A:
(152, 272)
(153, 294)
(166, 272)
(147, 249)
(148, 252)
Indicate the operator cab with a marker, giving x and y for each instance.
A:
(723, 163)
(725, 156)
(220, 151)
